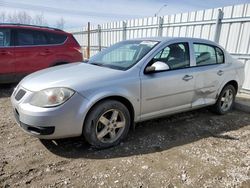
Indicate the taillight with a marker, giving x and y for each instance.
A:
(78, 49)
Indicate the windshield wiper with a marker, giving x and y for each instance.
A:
(113, 66)
(97, 64)
(108, 66)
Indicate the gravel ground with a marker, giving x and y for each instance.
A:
(195, 149)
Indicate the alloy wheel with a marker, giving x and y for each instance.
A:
(227, 100)
(110, 126)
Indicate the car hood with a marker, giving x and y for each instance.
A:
(76, 76)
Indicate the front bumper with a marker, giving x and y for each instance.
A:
(62, 121)
(36, 130)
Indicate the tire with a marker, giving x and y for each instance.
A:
(225, 101)
(107, 124)
(57, 64)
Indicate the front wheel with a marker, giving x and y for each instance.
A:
(226, 100)
(107, 124)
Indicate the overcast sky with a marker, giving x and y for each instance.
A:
(78, 12)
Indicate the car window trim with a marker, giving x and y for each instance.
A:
(214, 47)
(160, 71)
(188, 45)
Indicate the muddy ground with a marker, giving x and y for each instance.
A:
(195, 149)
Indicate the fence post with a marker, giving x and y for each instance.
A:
(88, 46)
(218, 26)
(160, 27)
(124, 30)
(99, 38)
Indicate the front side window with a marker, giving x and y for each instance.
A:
(175, 56)
(123, 55)
(206, 55)
(4, 37)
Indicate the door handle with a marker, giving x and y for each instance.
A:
(187, 77)
(46, 52)
(220, 72)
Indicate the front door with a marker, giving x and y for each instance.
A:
(7, 56)
(168, 91)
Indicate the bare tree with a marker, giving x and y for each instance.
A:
(60, 23)
(20, 17)
(12, 18)
(23, 17)
(3, 17)
(40, 20)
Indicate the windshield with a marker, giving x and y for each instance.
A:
(123, 55)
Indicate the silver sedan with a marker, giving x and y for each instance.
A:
(131, 81)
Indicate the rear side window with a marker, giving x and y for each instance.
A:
(4, 37)
(208, 55)
(54, 38)
(24, 38)
(30, 38)
(39, 38)
(220, 55)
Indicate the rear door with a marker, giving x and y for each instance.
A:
(58, 51)
(7, 56)
(210, 70)
(31, 51)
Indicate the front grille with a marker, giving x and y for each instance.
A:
(20, 94)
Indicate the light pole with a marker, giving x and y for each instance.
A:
(160, 10)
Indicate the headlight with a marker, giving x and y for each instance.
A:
(51, 97)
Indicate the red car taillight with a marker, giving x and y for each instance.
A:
(78, 49)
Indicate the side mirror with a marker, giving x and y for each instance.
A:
(157, 66)
(149, 69)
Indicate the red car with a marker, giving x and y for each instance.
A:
(27, 48)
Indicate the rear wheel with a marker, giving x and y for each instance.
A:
(225, 101)
(107, 124)
(61, 63)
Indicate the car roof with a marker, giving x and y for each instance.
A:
(168, 39)
(28, 26)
